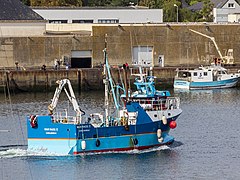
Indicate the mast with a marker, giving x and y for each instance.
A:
(108, 80)
(105, 81)
(126, 84)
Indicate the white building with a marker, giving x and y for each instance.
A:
(223, 11)
(234, 18)
(104, 15)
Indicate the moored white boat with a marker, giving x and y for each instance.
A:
(209, 77)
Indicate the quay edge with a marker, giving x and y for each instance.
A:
(82, 79)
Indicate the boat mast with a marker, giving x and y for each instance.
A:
(126, 84)
(108, 80)
(105, 81)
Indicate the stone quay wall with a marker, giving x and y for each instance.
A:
(81, 79)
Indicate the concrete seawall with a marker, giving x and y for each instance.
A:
(81, 79)
(175, 42)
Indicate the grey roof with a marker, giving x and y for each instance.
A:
(217, 4)
(184, 4)
(196, 7)
(88, 7)
(15, 10)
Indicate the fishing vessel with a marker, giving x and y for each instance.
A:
(128, 127)
(208, 77)
(158, 104)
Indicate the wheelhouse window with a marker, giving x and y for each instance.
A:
(195, 74)
(222, 72)
(205, 73)
(184, 74)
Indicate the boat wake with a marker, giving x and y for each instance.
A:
(15, 151)
(134, 151)
(18, 152)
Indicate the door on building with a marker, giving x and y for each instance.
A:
(161, 60)
(143, 55)
(81, 59)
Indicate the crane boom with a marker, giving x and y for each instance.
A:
(70, 96)
(212, 39)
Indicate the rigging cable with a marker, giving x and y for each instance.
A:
(9, 100)
(8, 96)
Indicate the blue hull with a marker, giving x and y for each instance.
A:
(67, 138)
(206, 85)
(107, 144)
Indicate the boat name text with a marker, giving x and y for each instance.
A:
(51, 130)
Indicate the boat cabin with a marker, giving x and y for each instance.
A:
(202, 74)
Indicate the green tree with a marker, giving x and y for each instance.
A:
(193, 2)
(56, 3)
(99, 3)
(188, 16)
(170, 11)
(151, 3)
(26, 2)
(206, 11)
(159, 3)
(123, 2)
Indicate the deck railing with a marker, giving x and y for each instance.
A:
(169, 103)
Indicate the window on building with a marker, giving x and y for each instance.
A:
(57, 21)
(231, 5)
(108, 21)
(82, 21)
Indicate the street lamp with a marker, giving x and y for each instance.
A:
(177, 11)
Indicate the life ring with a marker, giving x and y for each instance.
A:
(33, 121)
(98, 142)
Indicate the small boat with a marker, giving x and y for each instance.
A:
(209, 77)
(157, 104)
(127, 127)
